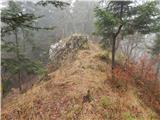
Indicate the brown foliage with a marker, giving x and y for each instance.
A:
(143, 74)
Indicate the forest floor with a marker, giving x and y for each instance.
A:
(64, 96)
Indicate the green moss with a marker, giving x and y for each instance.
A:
(105, 102)
(128, 116)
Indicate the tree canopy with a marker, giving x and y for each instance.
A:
(15, 23)
(123, 18)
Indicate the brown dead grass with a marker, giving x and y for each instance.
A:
(60, 98)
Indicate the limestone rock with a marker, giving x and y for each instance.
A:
(65, 48)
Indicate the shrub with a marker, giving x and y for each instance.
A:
(122, 77)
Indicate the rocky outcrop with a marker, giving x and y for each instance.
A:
(67, 48)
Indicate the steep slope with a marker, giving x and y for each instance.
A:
(64, 96)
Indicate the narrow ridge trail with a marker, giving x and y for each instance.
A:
(61, 97)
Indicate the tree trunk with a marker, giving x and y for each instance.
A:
(113, 53)
(114, 48)
(19, 81)
(113, 56)
(17, 55)
(115, 37)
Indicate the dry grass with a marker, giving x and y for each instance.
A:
(61, 97)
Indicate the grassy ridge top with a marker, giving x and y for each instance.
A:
(64, 95)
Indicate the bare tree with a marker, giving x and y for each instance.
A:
(130, 46)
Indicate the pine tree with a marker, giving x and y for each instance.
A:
(122, 18)
(14, 62)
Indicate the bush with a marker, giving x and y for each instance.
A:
(122, 77)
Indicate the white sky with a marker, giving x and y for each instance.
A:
(72, 1)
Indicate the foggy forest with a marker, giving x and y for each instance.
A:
(80, 59)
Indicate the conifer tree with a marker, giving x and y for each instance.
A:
(14, 21)
(123, 18)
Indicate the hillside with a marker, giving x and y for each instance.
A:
(64, 96)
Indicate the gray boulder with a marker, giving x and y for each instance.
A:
(66, 48)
